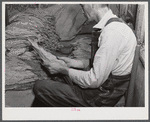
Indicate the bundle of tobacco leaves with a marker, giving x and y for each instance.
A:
(81, 48)
(45, 56)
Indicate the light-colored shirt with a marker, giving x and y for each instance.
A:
(115, 55)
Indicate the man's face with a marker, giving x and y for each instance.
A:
(87, 10)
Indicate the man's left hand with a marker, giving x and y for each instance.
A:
(55, 67)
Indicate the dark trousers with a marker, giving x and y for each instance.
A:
(51, 93)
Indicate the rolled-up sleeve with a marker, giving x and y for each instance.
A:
(104, 61)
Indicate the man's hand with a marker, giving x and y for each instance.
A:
(73, 63)
(56, 67)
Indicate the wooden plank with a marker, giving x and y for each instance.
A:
(131, 88)
(133, 8)
(123, 10)
(136, 92)
(131, 12)
(139, 89)
(140, 28)
(140, 21)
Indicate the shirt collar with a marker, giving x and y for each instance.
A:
(104, 20)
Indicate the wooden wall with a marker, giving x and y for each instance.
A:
(125, 11)
(140, 30)
(139, 87)
(139, 95)
(136, 14)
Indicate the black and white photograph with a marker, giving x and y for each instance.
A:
(75, 60)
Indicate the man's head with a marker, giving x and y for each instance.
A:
(94, 11)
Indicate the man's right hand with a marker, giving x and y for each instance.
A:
(72, 63)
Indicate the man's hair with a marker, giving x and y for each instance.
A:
(97, 6)
(103, 5)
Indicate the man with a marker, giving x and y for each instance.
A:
(107, 81)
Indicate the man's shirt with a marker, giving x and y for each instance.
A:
(115, 55)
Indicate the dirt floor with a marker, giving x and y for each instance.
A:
(19, 98)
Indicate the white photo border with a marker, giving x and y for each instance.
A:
(65, 113)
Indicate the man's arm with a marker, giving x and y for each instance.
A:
(104, 61)
(103, 64)
(75, 63)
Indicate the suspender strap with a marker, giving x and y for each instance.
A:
(114, 20)
(95, 35)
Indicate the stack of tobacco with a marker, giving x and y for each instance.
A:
(22, 63)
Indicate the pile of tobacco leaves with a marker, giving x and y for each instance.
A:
(22, 64)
